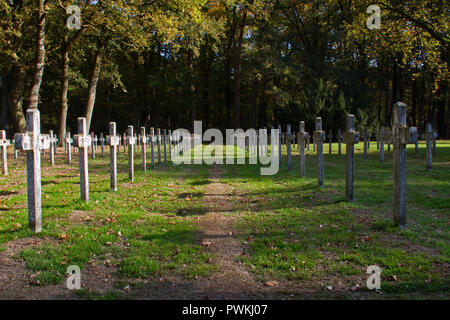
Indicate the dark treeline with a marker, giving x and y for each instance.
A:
(228, 63)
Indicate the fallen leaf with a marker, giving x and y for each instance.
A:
(271, 283)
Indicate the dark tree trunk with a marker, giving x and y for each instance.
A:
(4, 112)
(93, 81)
(237, 76)
(16, 85)
(40, 57)
(63, 94)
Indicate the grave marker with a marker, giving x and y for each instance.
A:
(143, 141)
(52, 148)
(429, 138)
(158, 133)
(69, 142)
(152, 146)
(401, 136)
(102, 144)
(33, 142)
(82, 141)
(131, 141)
(288, 140)
(302, 136)
(4, 143)
(351, 137)
(113, 140)
(319, 137)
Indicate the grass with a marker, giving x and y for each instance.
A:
(293, 230)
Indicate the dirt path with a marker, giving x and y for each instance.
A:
(232, 280)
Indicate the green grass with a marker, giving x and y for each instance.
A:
(293, 230)
(297, 231)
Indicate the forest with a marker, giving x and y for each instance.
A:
(229, 63)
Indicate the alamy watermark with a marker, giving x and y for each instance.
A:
(74, 280)
(374, 21)
(374, 280)
(188, 148)
(74, 20)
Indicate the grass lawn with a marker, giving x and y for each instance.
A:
(307, 239)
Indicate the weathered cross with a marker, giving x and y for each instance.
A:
(165, 145)
(33, 142)
(113, 140)
(158, 133)
(301, 142)
(319, 136)
(4, 143)
(288, 146)
(82, 141)
(170, 144)
(152, 146)
(351, 137)
(69, 142)
(131, 141)
(365, 144)
(143, 141)
(52, 147)
(102, 144)
(280, 143)
(93, 145)
(401, 136)
(429, 138)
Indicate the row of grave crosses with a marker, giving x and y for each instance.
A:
(33, 142)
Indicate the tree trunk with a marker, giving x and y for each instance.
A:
(40, 57)
(63, 95)
(16, 86)
(93, 81)
(237, 75)
(4, 112)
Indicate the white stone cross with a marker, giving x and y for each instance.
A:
(131, 141)
(4, 143)
(143, 141)
(351, 137)
(69, 142)
(319, 136)
(82, 141)
(33, 142)
(113, 140)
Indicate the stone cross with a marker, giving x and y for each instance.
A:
(69, 142)
(52, 148)
(382, 136)
(95, 142)
(33, 142)
(301, 142)
(113, 140)
(288, 142)
(339, 141)
(16, 153)
(330, 139)
(152, 145)
(124, 144)
(102, 144)
(4, 143)
(429, 138)
(257, 143)
(131, 141)
(170, 144)
(82, 141)
(143, 141)
(365, 144)
(319, 136)
(351, 137)
(93, 145)
(279, 147)
(266, 147)
(401, 136)
(158, 133)
(165, 145)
